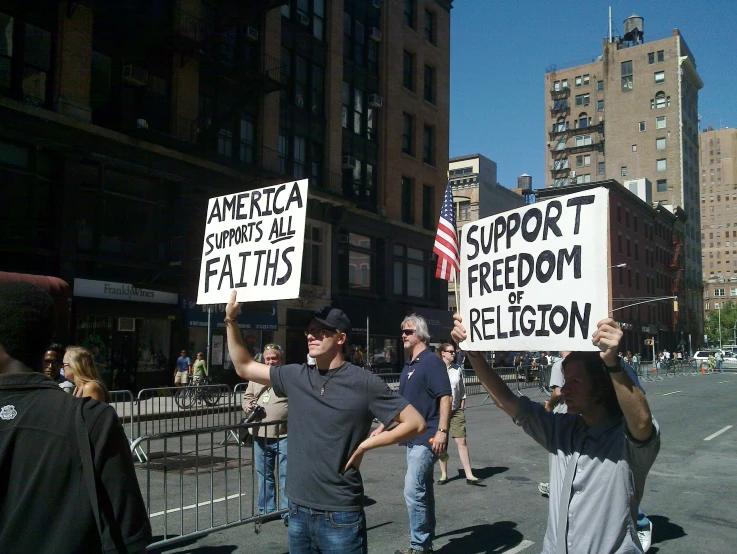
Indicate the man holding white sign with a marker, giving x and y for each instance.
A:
(331, 407)
(601, 451)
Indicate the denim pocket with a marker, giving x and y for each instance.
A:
(346, 519)
(293, 509)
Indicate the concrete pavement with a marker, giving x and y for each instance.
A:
(689, 494)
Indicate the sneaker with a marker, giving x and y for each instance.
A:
(646, 537)
(411, 551)
(544, 489)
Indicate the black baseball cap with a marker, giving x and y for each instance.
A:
(333, 318)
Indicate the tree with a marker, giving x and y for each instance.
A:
(711, 324)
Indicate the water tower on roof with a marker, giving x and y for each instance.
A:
(634, 30)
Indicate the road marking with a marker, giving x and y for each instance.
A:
(723, 382)
(524, 545)
(191, 506)
(727, 428)
(674, 392)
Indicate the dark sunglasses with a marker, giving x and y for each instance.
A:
(319, 333)
(449, 351)
(408, 331)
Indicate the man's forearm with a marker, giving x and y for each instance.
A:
(446, 403)
(634, 406)
(496, 387)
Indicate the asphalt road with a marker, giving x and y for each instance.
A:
(690, 492)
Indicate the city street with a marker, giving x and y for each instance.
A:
(689, 493)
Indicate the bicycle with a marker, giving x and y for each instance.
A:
(198, 391)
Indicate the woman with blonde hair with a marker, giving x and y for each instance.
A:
(79, 367)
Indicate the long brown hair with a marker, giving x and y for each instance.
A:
(83, 366)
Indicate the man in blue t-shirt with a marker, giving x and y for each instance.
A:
(183, 365)
(424, 383)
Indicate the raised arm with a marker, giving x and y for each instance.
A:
(245, 366)
(631, 399)
(500, 393)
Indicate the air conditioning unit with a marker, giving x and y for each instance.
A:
(375, 100)
(572, 174)
(252, 33)
(375, 34)
(349, 162)
(127, 324)
(141, 123)
(135, 75)
(303, 19)
(376, 3)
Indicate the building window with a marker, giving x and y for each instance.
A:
(283, 151)
(564, 84)
(360, 43)
(634, 148)
(428, 144)
(300, 156)
(346, 36)
(599, 105)
(318, 18)
(600, 86)
(407, 135)
(651, 58)
(660, 122)
(407, 191)
(408, 78)
(247, 138)
(719, 293)
(428, 207)
(560, 164)
(317, 89)
(660, 143)
(586, 80)
(357, 111)
(300, 81)
(661, 164)
(429, 89)
(312, 260)
(359, 262)
(346, 104)
(561, 144)
(409, 13)
(583, 160)
(641, 126)
(661, 55)
(577, 81)
(430, 27)
(583, 140)
(583, 99)
(660, 101)
(627, 78)
(556, 86)
(659, 77)
(410, 276)
(623, 171)
(464, 210)
(662, 185)
(600, 169)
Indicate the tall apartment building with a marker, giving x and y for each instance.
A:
(477, 194)
(632, 115)
(119, 119)
(718, 175)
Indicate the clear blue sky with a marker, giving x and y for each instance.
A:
(501, 48)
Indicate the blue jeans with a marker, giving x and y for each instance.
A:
(266, 452)
(420, 496)
(317, 531)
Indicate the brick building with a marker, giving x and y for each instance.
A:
(646, 261)
(632, 114)
(119, 119)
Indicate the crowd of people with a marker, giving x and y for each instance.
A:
(597, 428)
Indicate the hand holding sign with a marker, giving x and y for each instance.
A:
(607, 337)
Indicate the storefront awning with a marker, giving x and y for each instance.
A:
(53, 285)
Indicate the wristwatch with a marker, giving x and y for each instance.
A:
(615, 368)
(441, 430)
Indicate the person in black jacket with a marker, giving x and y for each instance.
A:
(47, 437)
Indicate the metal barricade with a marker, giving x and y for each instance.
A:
(169, 409)
(122, 402)
(194, 485)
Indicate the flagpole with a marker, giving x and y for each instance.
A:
(455, 287)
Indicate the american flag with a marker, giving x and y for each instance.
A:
(446, 240)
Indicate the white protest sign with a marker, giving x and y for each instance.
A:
(253, 243)
(536, 278)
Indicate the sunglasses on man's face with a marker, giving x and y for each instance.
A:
(408, 332)
(449, 351)
(319, 332)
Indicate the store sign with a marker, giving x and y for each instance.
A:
(196, 316)
(536, 278)
(253, 244)
(121, 291)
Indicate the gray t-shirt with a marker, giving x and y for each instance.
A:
(325, 429)
(557, 380)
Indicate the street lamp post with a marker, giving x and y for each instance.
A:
(720, 326)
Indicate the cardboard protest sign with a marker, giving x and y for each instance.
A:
(536, 278)
(253, 243)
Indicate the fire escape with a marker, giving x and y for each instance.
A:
(676, 270)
